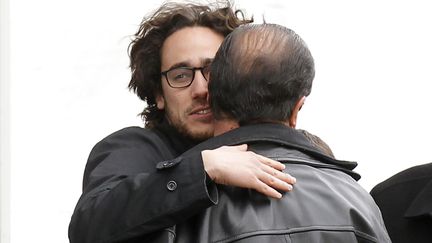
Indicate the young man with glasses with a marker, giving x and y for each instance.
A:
(134, 184)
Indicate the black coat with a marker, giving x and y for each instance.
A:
(326, 204)
(133, 186)
(405, 200)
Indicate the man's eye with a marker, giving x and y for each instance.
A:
(180, 76)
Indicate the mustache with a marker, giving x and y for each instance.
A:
(196, 104)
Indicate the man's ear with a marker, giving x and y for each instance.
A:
(293, 118)
(160, 102)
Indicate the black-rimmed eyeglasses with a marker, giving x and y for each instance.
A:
(181, 77)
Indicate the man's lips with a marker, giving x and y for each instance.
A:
(201, 111)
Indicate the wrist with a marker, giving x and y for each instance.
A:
(207, 163)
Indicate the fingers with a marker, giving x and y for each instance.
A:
(241, 147)
(274, 168)
(273, 177)
(272, 163)
(273, 181)
(285, 177)
(235, 166)
(267, 190)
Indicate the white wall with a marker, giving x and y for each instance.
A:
(69, 73)
(4, 123)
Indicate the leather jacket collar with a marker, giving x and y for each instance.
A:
(280, 134)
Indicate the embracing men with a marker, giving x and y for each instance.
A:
(137, 184)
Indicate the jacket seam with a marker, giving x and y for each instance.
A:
(298, 230)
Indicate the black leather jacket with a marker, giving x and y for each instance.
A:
(326, 205)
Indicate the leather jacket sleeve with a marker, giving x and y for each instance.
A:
(133, 186)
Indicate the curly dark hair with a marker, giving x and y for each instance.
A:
(144, 50)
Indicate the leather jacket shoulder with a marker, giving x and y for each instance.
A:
(326, 204)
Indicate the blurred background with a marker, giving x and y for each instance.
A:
(64, 75)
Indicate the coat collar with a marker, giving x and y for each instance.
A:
(274, 133)
(421, 206)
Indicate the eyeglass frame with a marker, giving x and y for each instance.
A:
(193, 69)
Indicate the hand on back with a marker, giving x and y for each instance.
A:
(235, 166)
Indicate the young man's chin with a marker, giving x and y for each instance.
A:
(200, 135)
(197, 131)
(200, 129)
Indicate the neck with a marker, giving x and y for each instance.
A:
(223, 126)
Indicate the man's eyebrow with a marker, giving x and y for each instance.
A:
(204, 62)
(179, 64)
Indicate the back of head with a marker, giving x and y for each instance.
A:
(318, 143)
(259, 73)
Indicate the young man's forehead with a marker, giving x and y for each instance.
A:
(193, 46)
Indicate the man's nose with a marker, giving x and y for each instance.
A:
(199, 86)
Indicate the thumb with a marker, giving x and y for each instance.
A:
(241, 147)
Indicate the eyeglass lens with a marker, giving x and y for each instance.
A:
(181, 77)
